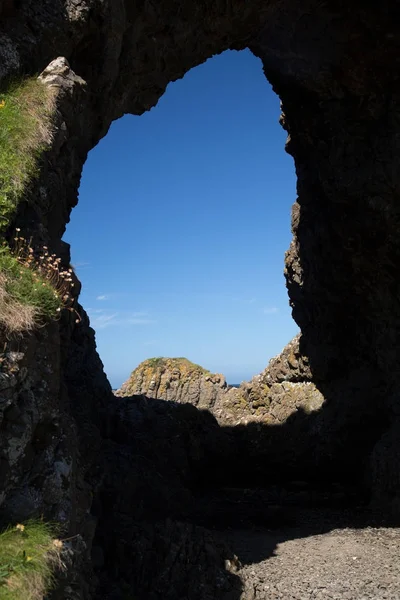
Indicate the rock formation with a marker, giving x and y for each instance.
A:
(283, 388)
(280, 408)
(335, 69)
(179, 380)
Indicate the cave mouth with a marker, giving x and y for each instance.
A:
(193, 270)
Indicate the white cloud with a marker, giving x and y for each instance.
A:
(270, 310)
(151, 343)
(100, 319)
(81, 265)
(133, 321)
(103, 297)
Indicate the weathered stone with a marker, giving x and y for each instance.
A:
(14, 357)
(12, 413)
(270, 398)
(175, 379)
(21, 505)
(60, 75)
(7, 380)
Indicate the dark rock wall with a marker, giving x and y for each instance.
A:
(160, 453)
(51, 452)
(340, 92)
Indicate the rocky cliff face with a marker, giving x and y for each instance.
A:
(283, 388)
(64, 447)
(179, 380)
(282, 408)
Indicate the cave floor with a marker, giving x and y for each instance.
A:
(296, 552)
(342, 564)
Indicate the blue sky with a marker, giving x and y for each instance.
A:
(182, 225)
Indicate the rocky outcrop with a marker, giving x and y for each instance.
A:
(283, 388)
(280, 421)
(179, 380)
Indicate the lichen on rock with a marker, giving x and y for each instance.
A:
(175, 379)
(283, 388)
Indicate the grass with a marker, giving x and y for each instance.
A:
(156, 361)
(34, 286)
(29, 557)
(26, 297)
(25, 108)
(15, 317)
(159, 361)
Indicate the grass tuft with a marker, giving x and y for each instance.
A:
(29, 556)
(34, 287)
(25, 108)
(180, 362)
(15, 317)
(26, 297)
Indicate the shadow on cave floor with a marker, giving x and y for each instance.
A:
(253, 523)
(187, 496)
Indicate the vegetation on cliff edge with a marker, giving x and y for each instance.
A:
(33, 287)
(180, 362)
(25, 108)
(29, 556)
(157, 367)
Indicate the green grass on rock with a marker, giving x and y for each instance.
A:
(29, 556)
(26, 298)
(25, 107)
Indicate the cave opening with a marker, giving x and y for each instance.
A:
(189, 212)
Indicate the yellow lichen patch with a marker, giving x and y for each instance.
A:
(164, 376)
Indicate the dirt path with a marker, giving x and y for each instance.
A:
(340, 564)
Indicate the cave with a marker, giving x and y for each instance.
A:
(335, 70)
(214, 214)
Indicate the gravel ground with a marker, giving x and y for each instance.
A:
(346, 563)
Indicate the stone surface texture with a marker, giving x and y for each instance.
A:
(283, 388)
(179, 380)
